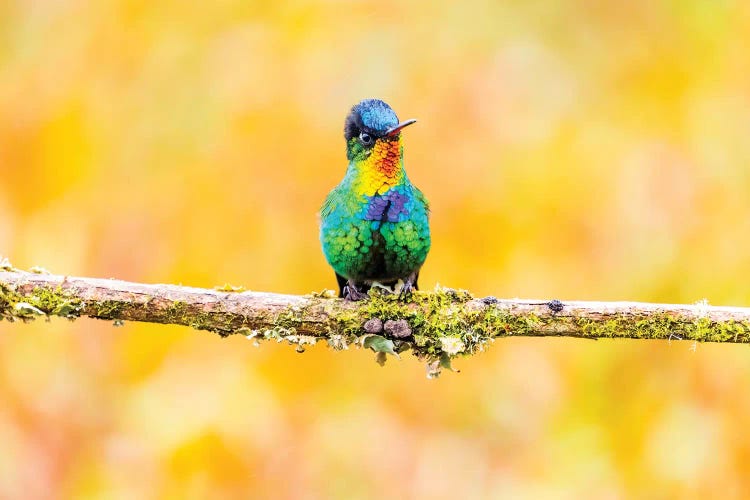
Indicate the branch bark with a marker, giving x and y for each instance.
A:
(435, 325)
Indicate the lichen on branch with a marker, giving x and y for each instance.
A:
(435, 326)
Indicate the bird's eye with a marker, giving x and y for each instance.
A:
(365, 138)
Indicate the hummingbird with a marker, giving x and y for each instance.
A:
(374, 225)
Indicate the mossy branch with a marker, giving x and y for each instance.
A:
(436, 325)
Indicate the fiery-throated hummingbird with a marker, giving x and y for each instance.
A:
(374, 225)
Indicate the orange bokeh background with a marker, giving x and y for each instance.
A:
(571, 150)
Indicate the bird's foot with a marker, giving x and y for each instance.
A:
(408, 287)
(352, 293)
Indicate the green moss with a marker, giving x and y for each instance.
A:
(666, 326)
(47, 300)
(181, 313)
(228, 287)
(441, 328)
(106, 309)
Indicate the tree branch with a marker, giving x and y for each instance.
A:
(435, 325)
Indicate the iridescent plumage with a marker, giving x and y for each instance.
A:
(374, 224)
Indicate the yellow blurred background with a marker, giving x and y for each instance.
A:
(570, 149)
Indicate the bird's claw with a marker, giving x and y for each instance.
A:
(352, 294)
(406, 290)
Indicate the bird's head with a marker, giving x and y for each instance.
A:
(373, 127)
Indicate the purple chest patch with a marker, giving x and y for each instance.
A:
(389, 207)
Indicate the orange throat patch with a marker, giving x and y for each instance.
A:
(382, 170)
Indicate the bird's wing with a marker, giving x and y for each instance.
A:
(328, 204)
(421, 198)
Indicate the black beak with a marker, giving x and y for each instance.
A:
(395, 130)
